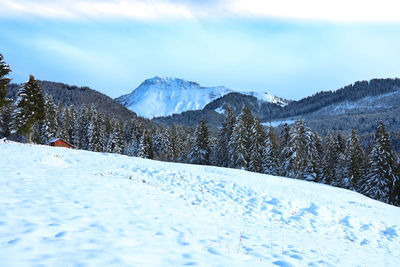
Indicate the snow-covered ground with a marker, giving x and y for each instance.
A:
(62, 207)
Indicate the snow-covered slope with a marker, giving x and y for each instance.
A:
(366, 104)
(61, 207)
(165, 96)
(267, 97)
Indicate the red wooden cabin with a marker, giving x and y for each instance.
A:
(60, 143)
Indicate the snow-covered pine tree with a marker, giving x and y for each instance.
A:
(201, 150)
(162, 148)
(29, 108)
(4, 71)
(271, 162)
(108, 129)
(341, 159)
(69, 124)
(330, 160)
(185, 143)
(224, 136)
(354, 163)
(36, 133)
(382, 177)
(302, 156)
(316, 164)
(66, 124)
(95, 132)
(257, 147)
(117, 139)
(284, 151)
(167, 146)
(145, 149)
(6, 113)
(396, 191)
(178, 138)
(132, 135)
(241, 141)
(237, 150)
(81, 136)
(49, 127)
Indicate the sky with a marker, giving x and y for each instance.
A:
(289, 48)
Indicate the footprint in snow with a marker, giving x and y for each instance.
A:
(282, 263)
(60, 234)
(390, 232)
(13, 241)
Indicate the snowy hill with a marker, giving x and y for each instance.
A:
(70, 207)
(157, 97)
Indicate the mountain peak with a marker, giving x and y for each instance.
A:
(157, 80)
(164, 96)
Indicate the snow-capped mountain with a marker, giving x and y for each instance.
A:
(157, 97)
(67, 207)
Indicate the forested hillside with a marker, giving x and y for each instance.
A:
(308, 105)
(73, 95)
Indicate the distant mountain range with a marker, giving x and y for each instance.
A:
(160, 97)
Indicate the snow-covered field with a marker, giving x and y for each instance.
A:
(61, 207)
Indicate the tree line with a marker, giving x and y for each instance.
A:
(241, 142)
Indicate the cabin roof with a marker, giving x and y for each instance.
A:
(56, 139)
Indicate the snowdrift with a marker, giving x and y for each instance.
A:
(70, 207)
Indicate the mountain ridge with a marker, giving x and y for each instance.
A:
(160, 97)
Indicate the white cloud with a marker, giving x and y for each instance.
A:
(126, 9)
(325, 10)
(337, 10)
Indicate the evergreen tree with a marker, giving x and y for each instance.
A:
(145, 149)
(317, 166)
(116, 140)
(241, 141)
(4, 71)
(271, 154)
(69, 125)
(396, 191)
(285, 153)
(65, 131)
(108, 131)
(95, 132)
(185, 143)
(237, 150)
(302, 155)
(340, 143)
(224, 136)
(81, 135)
(132, 135)
(201, 150)
(354, 163)
(49, 127)
(162, 148)
(6, 113)
(257, 147)
(382, 179)
(330, 160)
(30, 108)
(340, 169)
